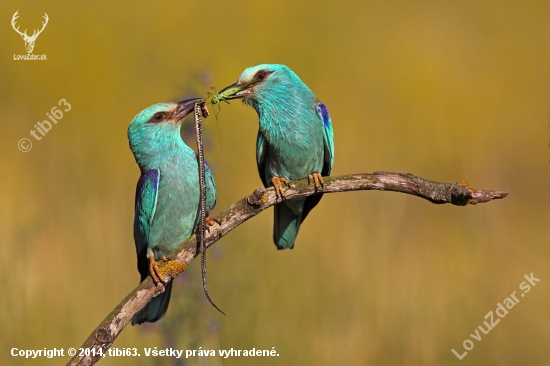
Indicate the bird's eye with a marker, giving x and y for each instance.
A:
(157, 117)
(261, 75)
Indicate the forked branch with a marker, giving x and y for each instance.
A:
(460, 194)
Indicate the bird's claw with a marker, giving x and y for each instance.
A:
(154, 269)
(171, 268)
(317, 179)
(279, 192)
(209, 223)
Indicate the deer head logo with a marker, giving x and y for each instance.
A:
(29, 41)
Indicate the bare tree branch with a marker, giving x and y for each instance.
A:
(460, 194)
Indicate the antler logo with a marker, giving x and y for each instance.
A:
(29, 41)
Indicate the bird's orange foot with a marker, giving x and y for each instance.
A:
(154, 269)
(159, 270)
(317, 179)
(276, 181)
(210, 222)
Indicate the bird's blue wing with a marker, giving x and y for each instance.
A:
(146, 203)
(328, 138)
(210, 189)
(261, 150)
(328, 160)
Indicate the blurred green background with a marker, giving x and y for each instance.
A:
(445, 90)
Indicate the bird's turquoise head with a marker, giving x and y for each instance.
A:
(155, 131)
(266, 86)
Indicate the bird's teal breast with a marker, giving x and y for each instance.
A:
(295, 153)
(177, 209)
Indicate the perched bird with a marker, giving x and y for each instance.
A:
(167, 209)
(295, 139)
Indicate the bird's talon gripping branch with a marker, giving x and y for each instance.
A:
(317, 179)
(154, 269)
(210, 221)
(163, 268)
(279, 190)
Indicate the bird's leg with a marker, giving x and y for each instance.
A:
(317, 179)
(172, 268)
(210, 221)
(276, 181)
(154, 269)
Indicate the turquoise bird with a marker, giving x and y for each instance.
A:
(295, 139)
(167, 205)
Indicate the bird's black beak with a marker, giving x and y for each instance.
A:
(236, 90)
(185, 107)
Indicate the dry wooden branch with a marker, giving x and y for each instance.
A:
(460, 194)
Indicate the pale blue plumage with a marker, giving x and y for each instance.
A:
(295, 138)
(167, 209)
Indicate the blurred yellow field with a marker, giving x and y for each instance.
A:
(448, 91)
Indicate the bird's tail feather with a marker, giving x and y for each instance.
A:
(155, 309)
(286, 226)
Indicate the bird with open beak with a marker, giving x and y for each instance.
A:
(295, 139)
(167, 209)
